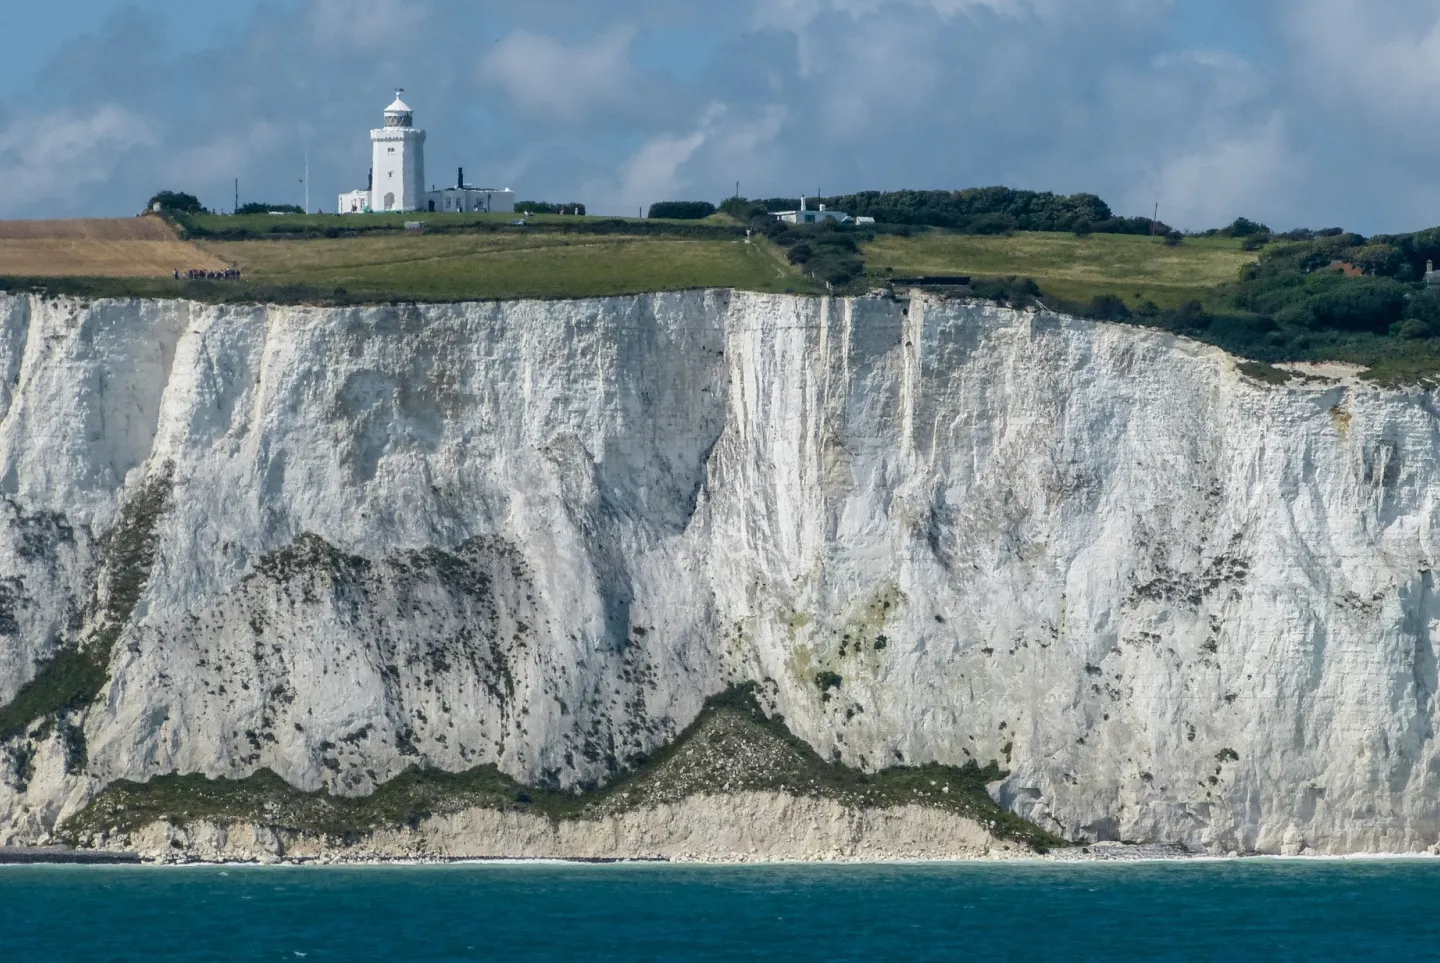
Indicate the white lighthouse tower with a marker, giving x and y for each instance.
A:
(398, 170)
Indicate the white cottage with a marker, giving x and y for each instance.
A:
(473, 200)
(806, 216)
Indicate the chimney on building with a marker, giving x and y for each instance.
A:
(802, 202)
(460, 180)
(370, 181)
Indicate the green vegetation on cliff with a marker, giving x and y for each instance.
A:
(77, 674)
(732, 747)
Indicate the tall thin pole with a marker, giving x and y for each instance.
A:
(237, 196)
(307, 180)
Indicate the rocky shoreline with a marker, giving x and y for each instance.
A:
(744, 827)
(59, 856)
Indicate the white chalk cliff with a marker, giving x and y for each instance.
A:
(1176, 604)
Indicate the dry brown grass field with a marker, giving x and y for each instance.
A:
(116, 247)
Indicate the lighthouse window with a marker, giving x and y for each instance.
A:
(392, 150)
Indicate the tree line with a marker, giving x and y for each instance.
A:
(980, 210)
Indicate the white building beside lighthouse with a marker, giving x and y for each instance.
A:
(397, 174)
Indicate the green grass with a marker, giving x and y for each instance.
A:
(264, 226)
(444, 267)
(731, 747)
(1078, 269)
(369, 258)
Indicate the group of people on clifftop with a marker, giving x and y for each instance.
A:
(229, 274)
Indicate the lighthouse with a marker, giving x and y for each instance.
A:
(397, 175)
(398, 168)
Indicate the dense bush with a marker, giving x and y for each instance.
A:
(745, 210)
(682, 210)
(1241, 227)
(1311, 284)
(544, 207)
(176, 202)
(260, 207)
(829, 253)
(1016, 292)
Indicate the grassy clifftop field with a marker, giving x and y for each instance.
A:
(366, 258)
(497, 265)
(1131, 267)
(1304, 296)
(467, 256)
(470, 267)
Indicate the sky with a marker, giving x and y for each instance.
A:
(1297, 113)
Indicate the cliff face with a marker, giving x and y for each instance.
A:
(1176, 604)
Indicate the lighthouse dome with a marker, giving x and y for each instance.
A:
(399, 113)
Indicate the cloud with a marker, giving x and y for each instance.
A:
(231, 154)
(720, 148)
(551, 78)
(1214, 181)
(42, 156)
(798, 14)
(1296, 112)
(368, 23)
(1381, 58)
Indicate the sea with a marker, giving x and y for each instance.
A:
(1266, 910)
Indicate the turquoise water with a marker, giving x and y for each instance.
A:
(1256, 910)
